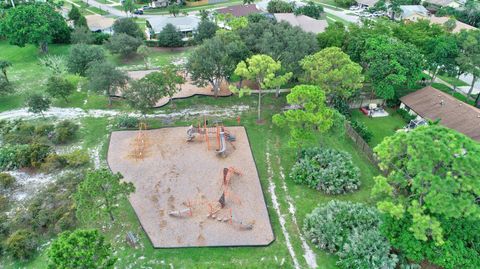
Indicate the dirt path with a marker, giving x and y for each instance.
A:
(75, 113)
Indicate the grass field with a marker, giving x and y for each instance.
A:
(380, 127)
(269, 145)
(264, 139)
(453, 81)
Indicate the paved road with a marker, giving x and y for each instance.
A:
(343, 15)
(106, 7)
(468, 79)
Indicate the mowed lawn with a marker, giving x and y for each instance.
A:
(380, 127)
(266, 140)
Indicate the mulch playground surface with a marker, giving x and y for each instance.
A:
(176, 175)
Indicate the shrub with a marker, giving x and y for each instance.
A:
(405, 115)
(53, 162)
(367, 249)
(18, 156)
(125, 121)
(3, 203)
(74, 159)
(21, 244)
(7, 181)
(170, 37)
(123, 44)
(328, 226)
(77, 158)
(64, 132)
(362, 130)
(279, 6)
(328, 170)
(100, 38)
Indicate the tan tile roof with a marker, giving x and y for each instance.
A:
(459, 26)
(433, 104)
(306, 23)
(97, 22)
(239, 10)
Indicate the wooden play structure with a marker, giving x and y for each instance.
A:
(218, 130)
(220, 210)
(140, 142)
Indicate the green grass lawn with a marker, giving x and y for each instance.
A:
(188, 9)
(453, 81)
(459, 96)
(380, 127)
(264, 139)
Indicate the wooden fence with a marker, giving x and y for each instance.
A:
(361, 144)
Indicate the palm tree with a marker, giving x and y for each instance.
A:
(3, 66)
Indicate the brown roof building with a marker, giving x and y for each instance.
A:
(239, 10)
(432, 104)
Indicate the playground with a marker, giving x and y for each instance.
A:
(195, 186)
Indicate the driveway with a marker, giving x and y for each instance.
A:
(342, 14)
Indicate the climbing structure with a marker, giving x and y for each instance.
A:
(140, 142)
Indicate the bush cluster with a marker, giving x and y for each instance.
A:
(327, 170)
(362, 130)
(64, 132)
(20, 132)
(74, 159)
(405, 115)
(18, 156)
(126, 122)
(350, 230)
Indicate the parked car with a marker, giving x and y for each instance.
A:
(146, 7)
(352, 8)
(138, 12)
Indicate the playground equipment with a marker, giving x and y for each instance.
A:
(140, 142)
(219, 131)
(217, 210)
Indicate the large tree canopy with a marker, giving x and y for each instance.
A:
(37, 24)
(333, 71)
(431, 174)
(391, 64)
(281, 41)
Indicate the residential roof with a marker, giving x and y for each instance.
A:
(442, 3)
(239, 10)
(262, 5)
(98, 22)
(369, 3)
(459, 26)
(182, 23)
(409, 10)
(433, 104)
(306, 23)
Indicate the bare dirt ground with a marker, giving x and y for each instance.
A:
(188, 89)
(175, 173)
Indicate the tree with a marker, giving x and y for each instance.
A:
(431, 174)
(442, 52)
(174, 9)
(128, 6)
(81, 56)
(3, 67)
(59, 87)
(142, 95)
(37, 103)
(37, 24)
(280, 6)
(247, 2)
(170, 37)
(469, 58)
(101, 191)
(80, 249)
(215, 60)
(206, 29)
(311, 10)
(82, 22)
(74, 13)
(262, 70)
(105, 77)
(123, 44)
(127, 26)
(281, 42)
(334, 36)
(82, 35)
(391, 64)
(5, 86)
(171, 80)
(312, 116)
(333, 71)
(144, 51)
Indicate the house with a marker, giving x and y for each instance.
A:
(412, 13)
(98, 23)
(239, 10)
(459, 26)
(432, 104)
(160, 3)
(366, 3)
(263, 5)
(306, 23)
(187, 25)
